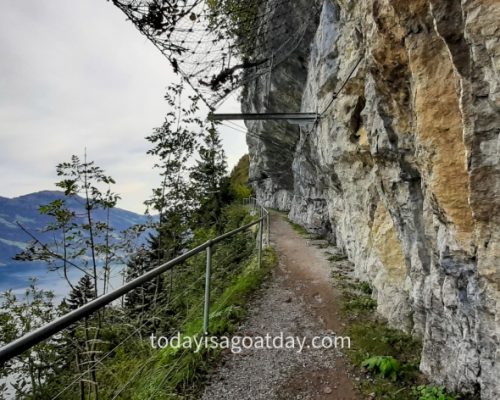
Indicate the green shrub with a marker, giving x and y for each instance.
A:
(432, 393)
(387, 366)
(360, 303)
(365, 287)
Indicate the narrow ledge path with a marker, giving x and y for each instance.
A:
(297, 300)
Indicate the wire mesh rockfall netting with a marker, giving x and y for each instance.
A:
(218, 45)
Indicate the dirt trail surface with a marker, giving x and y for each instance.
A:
(298, 300)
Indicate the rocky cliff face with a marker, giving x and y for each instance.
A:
(402, 171)
(272, 144)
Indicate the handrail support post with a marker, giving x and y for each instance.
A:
(268, 225)
(206, 308)
(259, 254)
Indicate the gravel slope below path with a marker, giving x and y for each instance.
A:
(298, 300)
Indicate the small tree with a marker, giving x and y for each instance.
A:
(84, 178)
(173, 145)
(82, 240)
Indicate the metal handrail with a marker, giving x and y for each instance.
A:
(253, 201)
(29, 340)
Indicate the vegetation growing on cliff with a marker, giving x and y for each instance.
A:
(239, 179)
(240, 19)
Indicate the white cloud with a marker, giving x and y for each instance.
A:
(76, 74)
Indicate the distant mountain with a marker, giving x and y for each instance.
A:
(24, 209)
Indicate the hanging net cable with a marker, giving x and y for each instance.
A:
(219, 45)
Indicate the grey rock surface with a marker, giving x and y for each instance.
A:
(403, 170)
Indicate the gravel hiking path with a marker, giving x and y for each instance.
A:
(298, 300)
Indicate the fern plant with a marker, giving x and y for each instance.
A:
(386, 366)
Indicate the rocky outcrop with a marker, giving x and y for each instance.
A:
(272, 144)
(402, 171)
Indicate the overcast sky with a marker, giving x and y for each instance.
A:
(76, 74)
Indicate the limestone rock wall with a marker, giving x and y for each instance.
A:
(402, 171)
(272, 144)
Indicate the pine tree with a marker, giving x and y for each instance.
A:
(208, 179)
(141, 300)
(81, 294)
